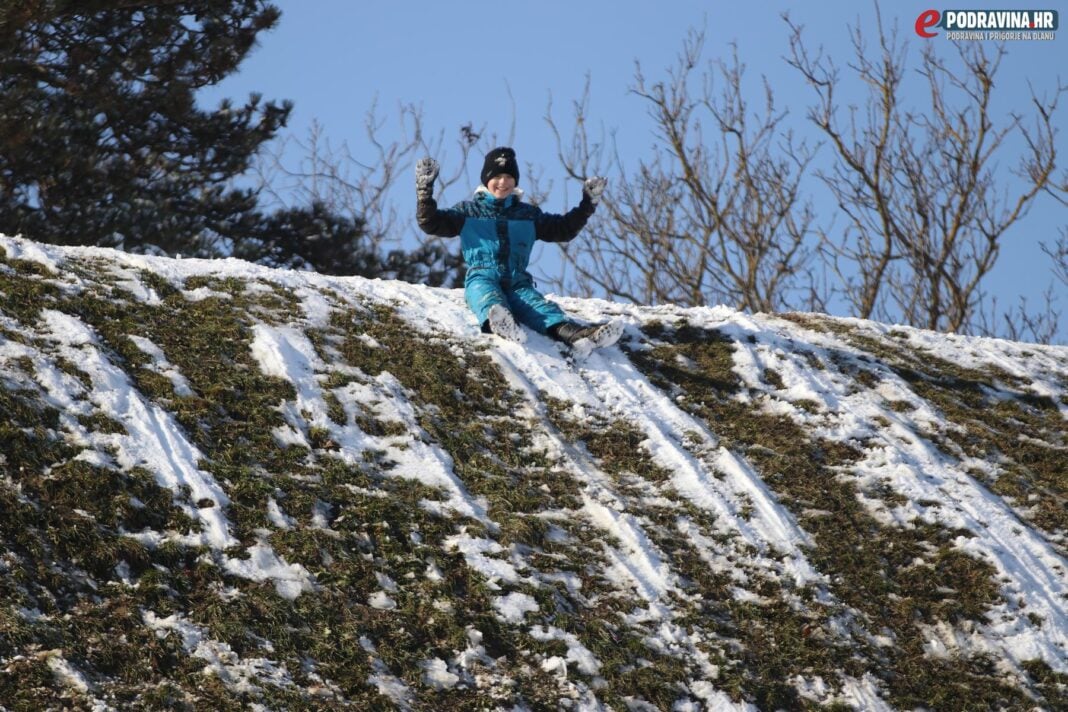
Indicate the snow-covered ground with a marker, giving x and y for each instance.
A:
(754, 531)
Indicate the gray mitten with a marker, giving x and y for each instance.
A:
(426, 172)
(593, 187)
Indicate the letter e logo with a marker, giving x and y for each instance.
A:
(927, 20)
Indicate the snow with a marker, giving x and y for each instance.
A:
(277, 517)
(263, 564)
(153, 440)
(66, 674)
(1031, 623)
(286, 353)
(241, 674)
(480, 555)
(32, 252)
(609, 383)
(436, 675)
(1032, 570)
(384, 681)
(162, 366)
(577, 653)
(514, 606)
(381, 601)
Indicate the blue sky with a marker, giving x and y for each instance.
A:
(491, 64)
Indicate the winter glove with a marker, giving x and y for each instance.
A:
(426, 172)
(593, 187)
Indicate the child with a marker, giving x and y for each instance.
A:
(497, 233)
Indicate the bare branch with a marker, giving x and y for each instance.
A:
(715, 214)
(927, 209)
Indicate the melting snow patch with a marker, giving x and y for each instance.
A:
(381, 601)
(162, 366)
(65, 673)
(201, 293)
(30, 251)
(717, 700)
(514, 606)
(577, 653)
(277, 517)
(436, 674)
(288, 354)
(263, 564)
(140, 291)
(390, 686)
(153, 439)
(385, 681)
(240, 675)
(477, 554)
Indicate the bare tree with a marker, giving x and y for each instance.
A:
(1058, 253)
(1024, 321)
(714, 216)
(1040, 325)
(368, 183)
(313, 171)
(926, 204)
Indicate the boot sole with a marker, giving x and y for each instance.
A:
(504, 325)
(606, 335)
(603, 336)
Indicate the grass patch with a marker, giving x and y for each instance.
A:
(88, 551)
(995, 419)
(770, 641)
(27, 288)
(873, 569)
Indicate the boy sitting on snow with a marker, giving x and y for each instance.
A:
(497, 233)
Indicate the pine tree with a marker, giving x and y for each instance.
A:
(102, 141)
(101, 138)
(320, 239)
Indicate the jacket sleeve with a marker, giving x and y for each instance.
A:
(561, 228)
(442, 223)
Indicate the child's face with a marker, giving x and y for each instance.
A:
(501, 185)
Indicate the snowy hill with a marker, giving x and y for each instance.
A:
(229, 487)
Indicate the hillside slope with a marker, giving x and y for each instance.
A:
(229, 487)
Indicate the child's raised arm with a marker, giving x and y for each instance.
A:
(561, 228)
(442, 223)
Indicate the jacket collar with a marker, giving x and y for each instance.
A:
(482, 194)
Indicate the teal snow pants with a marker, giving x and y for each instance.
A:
(484, 287)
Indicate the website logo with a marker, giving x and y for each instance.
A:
(989, 24)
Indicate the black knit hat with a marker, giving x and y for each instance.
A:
(500, 160)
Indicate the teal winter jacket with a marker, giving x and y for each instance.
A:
(498, 235)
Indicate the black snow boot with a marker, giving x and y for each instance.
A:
(598, 336)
